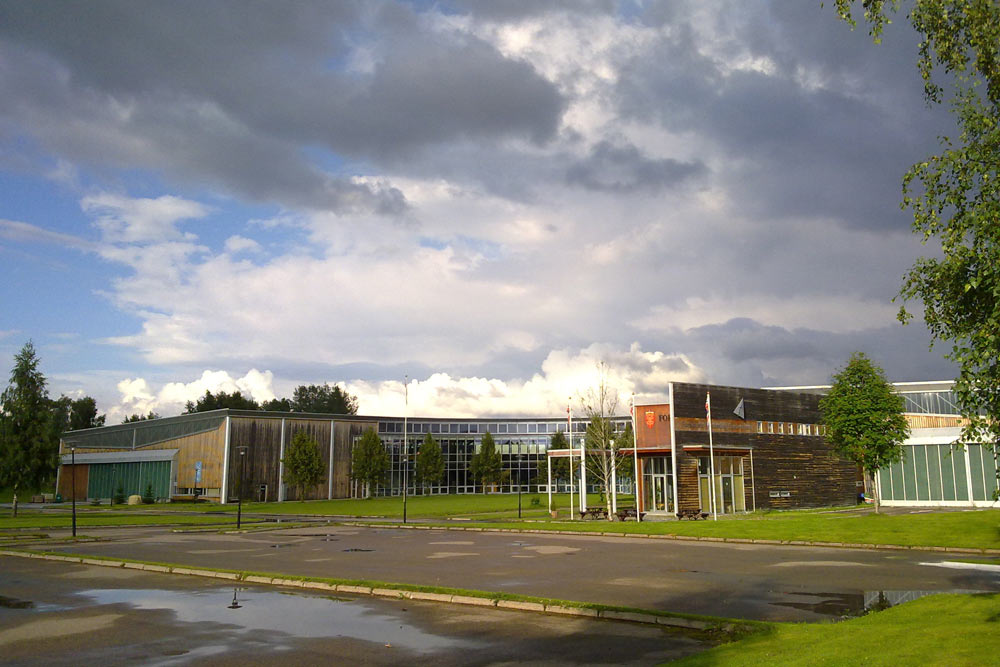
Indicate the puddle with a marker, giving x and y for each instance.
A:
(857, 604)
(282, 546)
(251, 611)
(358, 549)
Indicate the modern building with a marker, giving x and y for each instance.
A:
(767, 447)
(935, 471)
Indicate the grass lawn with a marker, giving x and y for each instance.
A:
(951, 630)
(978, 529)
(470, 505)
(32, 519)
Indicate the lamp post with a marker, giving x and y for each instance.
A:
(239, 490)
(72, 453)
(406, 449)
(114, 485)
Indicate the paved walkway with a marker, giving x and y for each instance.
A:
(735, 580)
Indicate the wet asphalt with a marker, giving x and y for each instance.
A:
(764, 582)
(57, 614)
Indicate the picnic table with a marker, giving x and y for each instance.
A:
(694, 515)
(625, 513)
(594, 513)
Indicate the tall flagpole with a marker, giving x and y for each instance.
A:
(711, 455)
(569, 432)
(406, 458)
(635, 463)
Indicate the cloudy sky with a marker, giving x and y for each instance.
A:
(488, 197)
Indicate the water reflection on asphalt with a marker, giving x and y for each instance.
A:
(296, 615)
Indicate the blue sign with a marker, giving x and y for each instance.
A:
(197, 472)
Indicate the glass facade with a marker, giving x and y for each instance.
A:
(522, 445)
(931, 402)
(941, 473)
(730, 494)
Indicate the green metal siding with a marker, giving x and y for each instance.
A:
(133, 477)
(947, 472)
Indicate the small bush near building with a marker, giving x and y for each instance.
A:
(147, 497)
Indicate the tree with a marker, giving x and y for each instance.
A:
(864, 417)
(210, 401)
(369, 461)
(486, 466)
(140, 418)
(605, 455)
(560, 464)
(303, 463)
(955, 198)
(324, 398)
(29, 435)
(277, 405)
(77, 414)
(430, 462)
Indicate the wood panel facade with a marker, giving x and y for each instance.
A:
(262, 437)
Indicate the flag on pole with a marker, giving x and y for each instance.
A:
(708, 405)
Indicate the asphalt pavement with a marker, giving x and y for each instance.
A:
(764, 582)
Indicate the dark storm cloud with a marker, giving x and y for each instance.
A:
(745, 352)
(233, 92)
(827, 131)
(624, 169)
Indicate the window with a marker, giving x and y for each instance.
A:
(760, 427)
(770, 427)
(781, 427)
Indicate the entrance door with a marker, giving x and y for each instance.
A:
(659, 493)
(727, 494)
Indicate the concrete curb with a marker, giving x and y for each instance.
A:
(695, 538)
(398, 594)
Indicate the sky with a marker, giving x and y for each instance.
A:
(486, 200)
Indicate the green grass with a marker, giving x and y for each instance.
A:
(452, 505)
(974, 529)
(97, 519)
(951, 630)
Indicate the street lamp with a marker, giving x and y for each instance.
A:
(406, 458)
(72, 453)
(239, 492)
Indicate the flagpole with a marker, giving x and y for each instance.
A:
(635, 463)
(406, 464)
(569, 432)
(711, 455)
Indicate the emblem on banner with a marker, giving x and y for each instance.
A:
(650, 419)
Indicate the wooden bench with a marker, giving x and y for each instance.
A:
(594, 513)
(694, 515)
(626, 513)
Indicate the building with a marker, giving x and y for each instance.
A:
(766, 450)
(772, 456)
(935, 470)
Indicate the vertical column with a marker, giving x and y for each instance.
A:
(673, 448)
(329, 491)
(224, 491)
(281, 465)
(968, 475)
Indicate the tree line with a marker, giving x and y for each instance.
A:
(320, 398)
